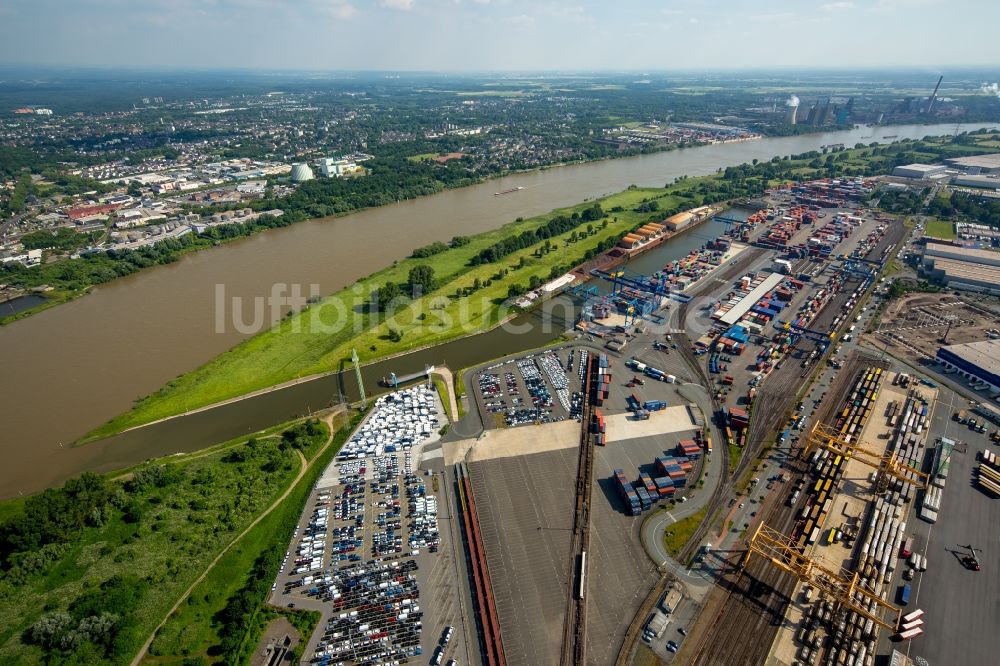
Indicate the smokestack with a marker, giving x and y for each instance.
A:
(791, 110)
(930, 102)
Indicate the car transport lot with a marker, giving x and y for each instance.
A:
(543, 387)
(368, 552)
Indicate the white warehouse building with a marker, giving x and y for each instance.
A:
(920, 171)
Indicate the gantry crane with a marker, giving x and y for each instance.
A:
(887, 464)
(843, 587)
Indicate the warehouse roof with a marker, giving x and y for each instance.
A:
(969, 254)
(917, 166)
(967, 271)
(984, 354)
(679, 217)
(991, 161)
(748, 301)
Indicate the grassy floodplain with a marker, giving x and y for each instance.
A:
(91, 569)
(309, 342)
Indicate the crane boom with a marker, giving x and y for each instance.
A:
(826, 437)
(842, 586)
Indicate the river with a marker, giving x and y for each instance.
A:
(70, 368)
(20, 304)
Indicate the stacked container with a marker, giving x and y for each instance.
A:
(688, 447)
(628, 493)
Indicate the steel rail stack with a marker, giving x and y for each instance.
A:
(483, 592)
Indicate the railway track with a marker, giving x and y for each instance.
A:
(747, 619)
(724, 486)
(757, 596)
(574, 650)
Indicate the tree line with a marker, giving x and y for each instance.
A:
(556, 226)
(980, 210)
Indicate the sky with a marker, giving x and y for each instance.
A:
(499, 35)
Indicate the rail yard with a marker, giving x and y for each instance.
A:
(726, 403)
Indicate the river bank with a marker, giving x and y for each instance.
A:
(60, 294)
(470, 298)
(581, 271)
(88, 360)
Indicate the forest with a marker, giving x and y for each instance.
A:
(132, 539)
(962, 206)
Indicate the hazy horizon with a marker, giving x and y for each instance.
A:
(482, 36)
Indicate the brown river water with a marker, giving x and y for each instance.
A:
(73, 367)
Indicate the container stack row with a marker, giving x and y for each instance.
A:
(627, 493)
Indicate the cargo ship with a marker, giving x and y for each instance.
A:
(513, 189)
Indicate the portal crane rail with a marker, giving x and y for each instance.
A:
(842, 586)
(829, 438)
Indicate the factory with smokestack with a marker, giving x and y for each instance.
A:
(826, 111)
(791, 110)
(933, 97)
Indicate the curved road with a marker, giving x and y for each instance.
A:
(654, 527)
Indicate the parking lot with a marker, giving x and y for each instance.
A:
(525, 506)
(536, 388)
(368, 552)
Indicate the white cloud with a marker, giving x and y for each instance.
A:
(341, 9)
(568, 13)
(836, 6)
(892, 5)
(405, 5)
(770, 18)
(520, 19)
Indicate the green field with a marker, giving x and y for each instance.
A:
(311, 342)
(940, 229)
(677, 535)
(126, 547)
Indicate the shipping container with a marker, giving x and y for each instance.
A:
(910, 633)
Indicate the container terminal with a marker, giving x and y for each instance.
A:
(727, 388)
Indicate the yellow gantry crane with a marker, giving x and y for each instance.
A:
(841, 586)
(827, 437)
